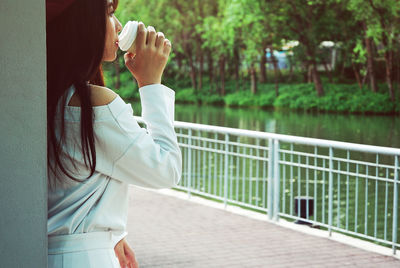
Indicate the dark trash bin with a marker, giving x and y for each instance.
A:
(300, 209)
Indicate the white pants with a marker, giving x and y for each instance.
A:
(86, 250)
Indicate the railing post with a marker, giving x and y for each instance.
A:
(189, 162)
(226, 169)
(330, 191)
(270, 178)
(395, 204)
(276, 181)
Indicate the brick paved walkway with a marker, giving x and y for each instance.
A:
(169, 232)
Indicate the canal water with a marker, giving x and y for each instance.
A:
(364, 129)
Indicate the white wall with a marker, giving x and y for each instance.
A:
(23, 196)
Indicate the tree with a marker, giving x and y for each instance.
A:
(310, 22)
(218, 38)
(251, 20)
(381, 24)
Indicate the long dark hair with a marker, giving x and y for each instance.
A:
(75, 45)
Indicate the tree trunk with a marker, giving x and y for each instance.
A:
(179, 61)
(389, 66)
(117, 74)
(317, 80)
(398, 71)
(305, 70)
(263, 71)
(210, 70)
(192, 70)
(237, 65)
(370, 60)
(201, 60)
(222, 74)
(276, 69)
(364, 79)
(357, 75)
(253, 78)
(343, 65)
(309, 73)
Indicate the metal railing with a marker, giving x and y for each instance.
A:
(354, 187)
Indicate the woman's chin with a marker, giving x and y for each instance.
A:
(110, 58)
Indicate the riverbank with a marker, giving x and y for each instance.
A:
(342, 98)
(338, 98)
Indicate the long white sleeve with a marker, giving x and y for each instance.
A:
(152, 158)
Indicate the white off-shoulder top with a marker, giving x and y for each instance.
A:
(126, 154)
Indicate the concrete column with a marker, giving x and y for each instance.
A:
(23, 182)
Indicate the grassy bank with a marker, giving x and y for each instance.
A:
(337, 98)
(343, 98)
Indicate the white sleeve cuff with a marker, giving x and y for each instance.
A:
(116, 237)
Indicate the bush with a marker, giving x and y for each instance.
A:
(346, 98)
(240, 99)
(266, 100)
(186, 95)
(337, 98)
(211, 99)
(129, 91)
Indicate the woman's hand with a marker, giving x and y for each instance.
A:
(125, 255)
(152, 52)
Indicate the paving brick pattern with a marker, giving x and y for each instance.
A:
(170, 232)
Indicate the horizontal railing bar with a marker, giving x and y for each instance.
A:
(206, 149)
(246, 145)
(359, 175)
(286, 138)
(304, 154)
(371, 164)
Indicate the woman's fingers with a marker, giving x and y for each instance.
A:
(130, 255)
(151, 36)
(141, 36)
(167, 46)
(119, 252)
(128, 57)
(160, 40)
(152, 52)
(129, 60)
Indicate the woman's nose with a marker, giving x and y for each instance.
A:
(118, 25)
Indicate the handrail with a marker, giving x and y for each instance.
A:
(285, 138)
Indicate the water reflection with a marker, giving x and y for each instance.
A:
(364, 129)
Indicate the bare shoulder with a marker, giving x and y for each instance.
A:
(99, 96)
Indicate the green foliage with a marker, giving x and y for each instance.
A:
(338, 98)
(241, 98)
(238, 31)
(246, 99)
(212, 99)
(129, 91)
(381, 19)
(186, 95)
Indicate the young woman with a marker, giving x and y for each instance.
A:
(96, 149)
